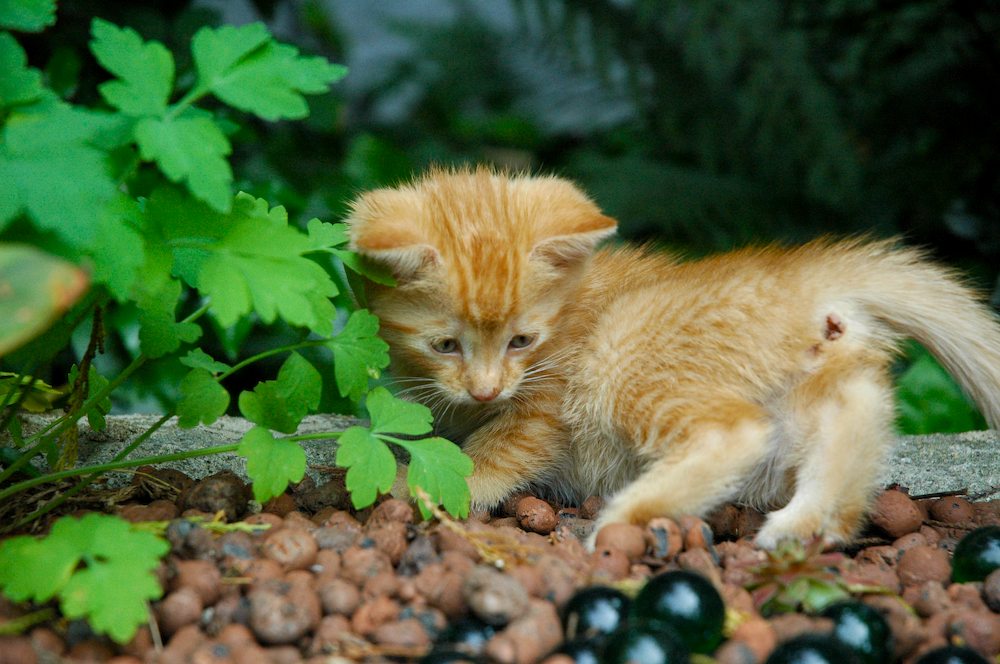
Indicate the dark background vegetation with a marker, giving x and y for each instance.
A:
(699, 124)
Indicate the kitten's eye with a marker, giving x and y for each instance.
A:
(445, 346)
(522, 340)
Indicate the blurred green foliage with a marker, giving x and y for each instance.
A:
(699, 124)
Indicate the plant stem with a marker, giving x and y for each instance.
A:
(116, 465)
(321, 435)
(309, 343)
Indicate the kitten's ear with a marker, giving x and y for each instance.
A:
(384, 226)
(570, 240)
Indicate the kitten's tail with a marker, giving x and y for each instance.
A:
(931, 304)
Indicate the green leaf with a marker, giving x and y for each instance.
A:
(439, 467)
(247, 260)
(145, 71)
(196, 358)
(50, 167)
(358, 354)
(36, 570)
(324, 236)
(281, 404)
(35, 291)
(118, 252)
(160, 333)
(19, 84)
(202, 401)
(190, 149)
(390, 415)
(245, 69)
(271, 462)
(27, 15)
(371, 467)
(929, 400)
(111, 592)
(217, 50)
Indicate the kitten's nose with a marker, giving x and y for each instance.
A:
(485, 394)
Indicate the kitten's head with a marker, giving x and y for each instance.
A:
(484, 262)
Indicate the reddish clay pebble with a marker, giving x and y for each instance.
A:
(448, 540)
(45, 640)
(952, 509)
(931, 534)
(790, 625)
(626, 537)
(734, 652)
(17, 650)
(329, 634)
(280, 505)
(90, 650)
(223, 491)
(879, 555)
(737, 598)
(273, 521)
(327, 564)
(535, 515)
(202, 576)
(358, 564)
(494, 597)
(394, 510)
(389, 538)
(697, 533)
(979, 630)
(909, 541)
(923, 563)
(966, 595)
(896, 514)
(509, 506)
(263, 569)
(991, 590)
(534, 633)
(408, 633)
(179, 608)
(663, 538)
(381, 584)
(296, 519)
(591, 507)
(373, 614)
(282, 612)
(609, 564)
(235, 635)
(758, 635)
(339, 596)
(558, 580)
(927, 598)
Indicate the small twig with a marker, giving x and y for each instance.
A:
(941, 494)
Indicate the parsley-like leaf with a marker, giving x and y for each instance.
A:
(271, 462)
(196, 358)
(281, 404)
(371, 467)
(358, 354)
(190, 149)
(160, 332)
(246, 69)
(51, 168)
(391, 415)
(439, 467)
(145, 71)
(202, 401)
(27, 15)
(19, 84)
(247, 260)
(111, 592)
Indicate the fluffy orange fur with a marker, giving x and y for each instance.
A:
(759, 375)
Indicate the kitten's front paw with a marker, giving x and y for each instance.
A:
(488, 492)
(781, 526)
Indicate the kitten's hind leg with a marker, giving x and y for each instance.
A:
(844, 416)
(698, 470)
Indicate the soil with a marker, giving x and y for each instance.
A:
(317, 581)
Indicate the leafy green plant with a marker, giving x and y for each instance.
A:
(136, 196)
(99, 567)
(930, 401)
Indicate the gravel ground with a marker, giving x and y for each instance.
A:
(319, 582)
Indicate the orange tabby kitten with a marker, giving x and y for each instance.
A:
(758, 375)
